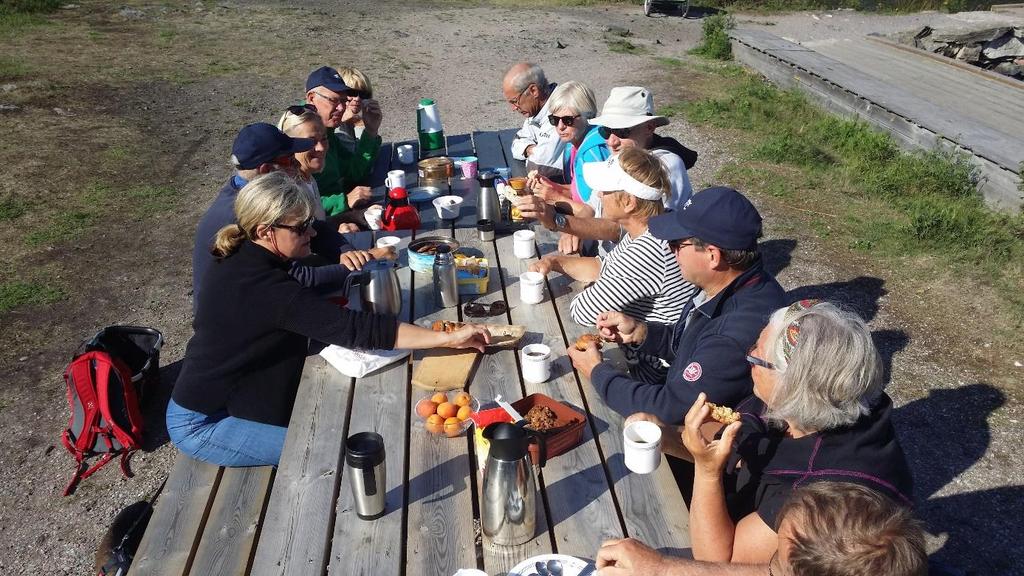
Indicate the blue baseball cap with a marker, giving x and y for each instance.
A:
(720, 216)
(261, 142)
(328, 78)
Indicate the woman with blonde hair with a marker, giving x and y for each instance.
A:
(304, 122)
(233, 399)
(639, 277)
(358, 98)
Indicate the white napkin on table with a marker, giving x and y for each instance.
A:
(359, 363)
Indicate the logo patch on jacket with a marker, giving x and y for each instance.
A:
(692, 372)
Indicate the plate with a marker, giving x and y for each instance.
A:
(423, 193)
(571, 566)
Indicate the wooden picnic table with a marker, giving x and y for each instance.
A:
(307, 523)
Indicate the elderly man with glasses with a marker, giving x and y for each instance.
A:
(714, 237)
(342, 181)
(527, 90)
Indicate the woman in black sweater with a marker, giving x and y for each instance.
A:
(234, 397)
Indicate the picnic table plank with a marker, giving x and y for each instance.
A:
(230, 535)
(582, 508)
(379, 404)
(169, 544)
(441, 535)
(381, 164)
(488, 150)
(517, 167)
(498, 373)
(299, 516)
(651, 504)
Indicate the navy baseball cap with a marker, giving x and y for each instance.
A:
(261, 142)
(720, 216)
(328, 78)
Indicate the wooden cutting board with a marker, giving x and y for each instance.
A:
(445, 370)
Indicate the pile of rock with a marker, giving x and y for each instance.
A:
(1000, 49)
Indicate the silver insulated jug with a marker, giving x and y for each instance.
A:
(509, 502)
(364, 465)
(446, 283)
(379, 290)
(488, 206)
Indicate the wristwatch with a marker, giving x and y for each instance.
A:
(560, 221)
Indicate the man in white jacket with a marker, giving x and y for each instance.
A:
(526, 90)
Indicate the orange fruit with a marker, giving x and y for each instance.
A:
(447, 410)
(426, 408)
(434, 424)
(452, 427)
(463, 399)
(439, 397)
(464, 412)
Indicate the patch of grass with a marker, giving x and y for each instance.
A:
(150, 200)
(17, 294)
(13, 69)
(11, 208)
(223, 68)
(17, 15)
(166, 35)
(64, 226)
(715, 42)
(893, 203)
(116, 154)
(623, 46)
(764, 6)
(670, 110)
(669, 62)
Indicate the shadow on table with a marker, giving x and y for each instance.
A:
(422, 486)
(944, 435)
(565, 497)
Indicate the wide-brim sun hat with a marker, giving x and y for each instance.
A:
(628, 106)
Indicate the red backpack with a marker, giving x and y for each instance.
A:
(106, 381)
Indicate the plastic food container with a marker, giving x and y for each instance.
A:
(448, 207)
(567, 434)
(421, 252)
(472, 274)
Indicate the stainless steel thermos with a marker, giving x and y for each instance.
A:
(446, 285)
(364, 463)
(509, 491)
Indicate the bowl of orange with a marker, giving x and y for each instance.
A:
(447, 415)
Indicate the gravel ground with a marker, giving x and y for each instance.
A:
(959, 408)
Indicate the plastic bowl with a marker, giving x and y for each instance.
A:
(448, 207)
(451, 431)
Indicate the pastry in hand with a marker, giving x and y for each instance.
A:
(586, 339)
(446, 326)
(724, 414)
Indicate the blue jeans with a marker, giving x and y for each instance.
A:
(224, 440)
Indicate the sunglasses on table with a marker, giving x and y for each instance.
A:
(478, 310)
(300, 109)
(567, 120)
(299, 228)
(620, 133)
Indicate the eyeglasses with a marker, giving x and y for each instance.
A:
(567, 120)
(620, 133)
(755, 361)
(478, 310)
(357, 94)
(677, 245)
(300, 109)
(515, 101)
(335, 102)
(299, 228)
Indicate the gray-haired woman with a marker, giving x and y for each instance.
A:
(818, 413)
(233, 399)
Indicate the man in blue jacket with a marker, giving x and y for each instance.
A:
(714, 237)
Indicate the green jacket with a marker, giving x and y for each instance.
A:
(344, 170)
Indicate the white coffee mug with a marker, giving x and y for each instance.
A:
(522, 244)
(531, 287)
(536, 362)
(641, 445)
(388, 241)
(405, 154)
(373, 215)
(395, 179)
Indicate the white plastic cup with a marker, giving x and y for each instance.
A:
(395, 179)
(448, 207)
(405, 155)
(531, 287)
(469, 166)
(388, 242)
(641, 445)
(373, 215)
(536, 361)
(522, 244)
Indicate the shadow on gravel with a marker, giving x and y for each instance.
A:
(154, 408)
(860, 294)
(777, 254)
(943, 435)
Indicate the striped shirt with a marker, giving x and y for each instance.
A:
(641, 279)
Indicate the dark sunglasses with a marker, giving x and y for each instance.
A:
(567, 120)
(299, 228)
(478, 310)
(358, 94)
(606, 132)
(300, 109)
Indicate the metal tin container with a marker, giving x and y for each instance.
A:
(421, 252)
